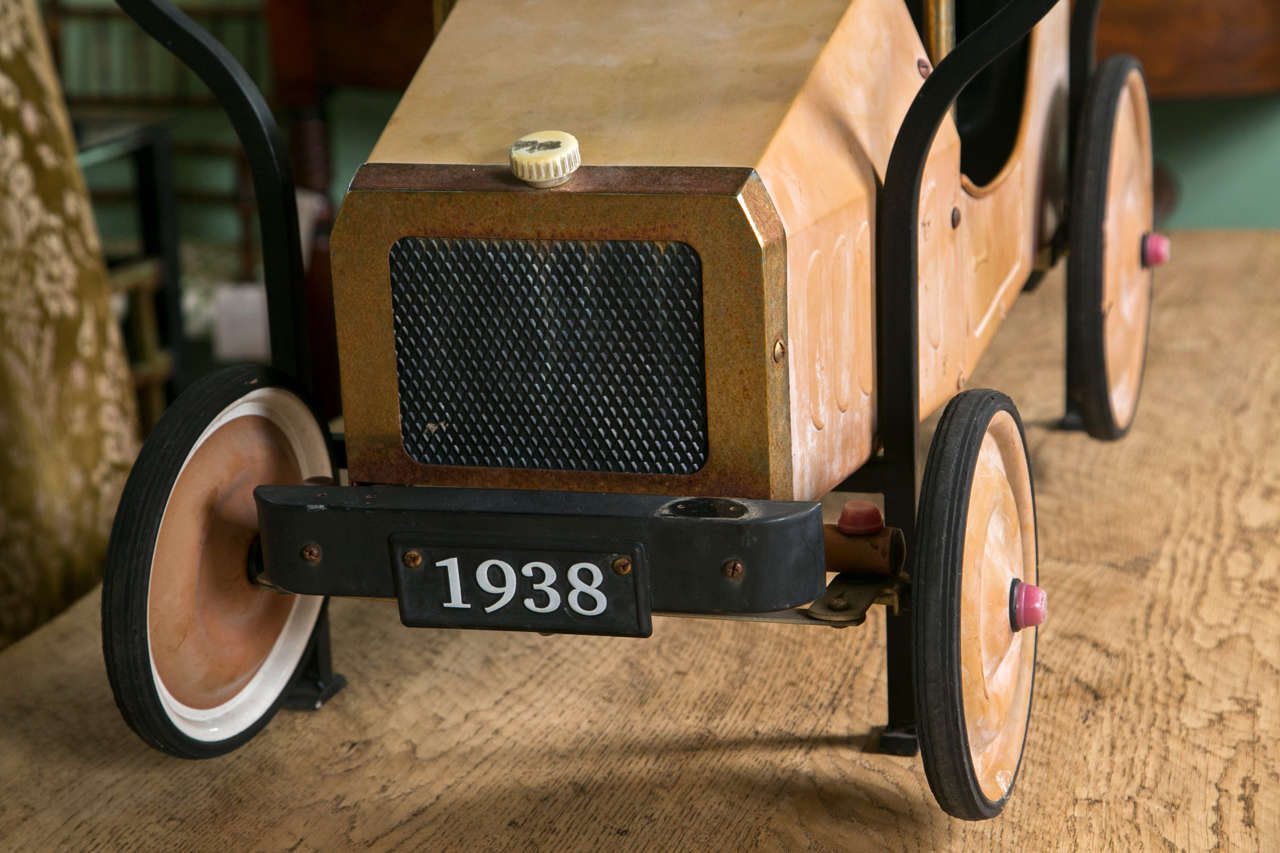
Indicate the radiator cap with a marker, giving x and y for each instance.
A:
(546, 158)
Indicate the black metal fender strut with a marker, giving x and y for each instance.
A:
(268, 159)
(895, 472)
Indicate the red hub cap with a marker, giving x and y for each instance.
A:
(1028, 607)
(1156, 249)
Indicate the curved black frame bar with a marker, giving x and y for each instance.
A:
(894, 473)
(1084, 39)
(269, 162)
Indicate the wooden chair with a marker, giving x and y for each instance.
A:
(148, 278)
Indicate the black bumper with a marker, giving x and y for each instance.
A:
(682, 543)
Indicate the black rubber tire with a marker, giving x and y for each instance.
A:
(127, 569)
(936, 600)
(1088, 396)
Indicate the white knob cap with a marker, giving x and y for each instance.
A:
(546, 158)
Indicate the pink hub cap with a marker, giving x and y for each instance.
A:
(1156, 249)
(1030, 606)
(860, 518)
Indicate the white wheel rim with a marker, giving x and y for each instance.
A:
(228, 719)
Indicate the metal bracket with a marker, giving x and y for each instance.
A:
(849, 596)
(314, 682)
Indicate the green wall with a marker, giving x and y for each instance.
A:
(1225, 155)
(356, 118)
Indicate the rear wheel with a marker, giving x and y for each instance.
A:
(975, 605)
(198, 655)
(1113, 249)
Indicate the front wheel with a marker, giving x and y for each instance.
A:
(975, 605)
(197, 654)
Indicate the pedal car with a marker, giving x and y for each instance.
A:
(619, 297)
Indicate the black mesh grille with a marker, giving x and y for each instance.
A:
(581, 356)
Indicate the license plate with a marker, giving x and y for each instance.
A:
(553, 591)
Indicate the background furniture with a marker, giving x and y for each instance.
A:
(301, 50)
(1155, 717)
(149, 278)
(112, 70)
(317, 46)
(1197, 48)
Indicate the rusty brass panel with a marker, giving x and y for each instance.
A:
(725, 214)
(633, 180)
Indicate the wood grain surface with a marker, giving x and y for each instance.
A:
(1156, 723)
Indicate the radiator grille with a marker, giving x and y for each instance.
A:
(566, 355)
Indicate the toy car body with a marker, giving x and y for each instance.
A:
(569, 407)
(755, 135)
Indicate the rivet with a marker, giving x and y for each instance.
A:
(412, 559)
(622, 565)
(779, 350)
(838, 603)
(311, 552)
(955, 217)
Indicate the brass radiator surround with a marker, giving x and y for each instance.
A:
(725, 214)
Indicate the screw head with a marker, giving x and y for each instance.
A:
(779, 350)
(923, 66)
(955, 217)
(838, 603)
(311, 552)
(622, 566)
(733, 569)
(412, 559)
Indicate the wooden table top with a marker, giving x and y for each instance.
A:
(1156, 722)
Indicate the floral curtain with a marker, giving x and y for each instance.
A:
(66, 401)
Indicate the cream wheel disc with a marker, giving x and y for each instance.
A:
(975, 605)
(1110, 268)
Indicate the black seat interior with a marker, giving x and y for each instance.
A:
(989, 110)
